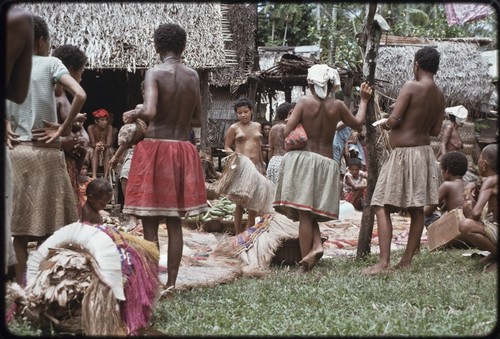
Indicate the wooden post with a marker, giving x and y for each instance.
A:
(205, 97)
(373, 34)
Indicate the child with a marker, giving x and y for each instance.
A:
(83, 181)
(101, 139)
(355, 184)
(99, 193)
(480, 208)
(128, 137)
(453, 168)
(245, 135)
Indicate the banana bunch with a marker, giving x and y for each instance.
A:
(221, 209)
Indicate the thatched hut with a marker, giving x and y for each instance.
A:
(240, 24)
(118, 41)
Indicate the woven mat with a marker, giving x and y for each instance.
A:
(201, 268)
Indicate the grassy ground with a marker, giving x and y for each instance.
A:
(444, 294)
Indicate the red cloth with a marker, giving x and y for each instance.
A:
(165, 179)
(100, 113)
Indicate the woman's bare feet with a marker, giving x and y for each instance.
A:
(489, 258)
(491, 268)
(377, 269)
(311, 259)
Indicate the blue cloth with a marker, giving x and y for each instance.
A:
(339, 141)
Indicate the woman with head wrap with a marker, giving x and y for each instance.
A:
(308, 183)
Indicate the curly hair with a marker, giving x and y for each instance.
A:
(71, 56)
(455, 162)
(170, 37)
(98, 187)
(428, 59)
(41, 29)
(283, 109)
(354, 162)
(243, 102)
(490, 154)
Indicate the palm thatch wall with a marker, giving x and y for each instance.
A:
(120, 35)
(241, 21)
(463, 73)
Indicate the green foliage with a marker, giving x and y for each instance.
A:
(337, 35)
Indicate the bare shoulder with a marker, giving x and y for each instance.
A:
(489, 182)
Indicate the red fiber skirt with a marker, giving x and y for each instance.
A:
(165, 179)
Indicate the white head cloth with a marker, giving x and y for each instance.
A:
(320, 75)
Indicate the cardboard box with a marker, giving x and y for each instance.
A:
(444, 231)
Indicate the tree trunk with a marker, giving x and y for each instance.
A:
(373, 34)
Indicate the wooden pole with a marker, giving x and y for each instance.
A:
(373, 35)
(205, 100)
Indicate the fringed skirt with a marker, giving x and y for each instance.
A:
(409, 178)
(244, 185)
(308, 182)
(273, 168)
(43, 199)
(165, 179)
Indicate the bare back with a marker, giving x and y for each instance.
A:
(451, 194)
(277, 139)
(319, 118)
(172, 101)
(420, 106)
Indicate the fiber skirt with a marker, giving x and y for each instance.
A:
(165, 179)
(309, 182)
(273, 168)
(409, 178)
(43, 199)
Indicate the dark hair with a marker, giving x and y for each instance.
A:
(40, 28)
(283, 109)
(170, 37)
(243, 102)
(265, 123)
(71, 56)
(490, 154)
(354, 162)
(428, 59)
(455, 162)
(98, 187)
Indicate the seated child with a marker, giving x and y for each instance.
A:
(355, 185)
(480, 208)
(453, 168)
(101, 140)
(99, 193)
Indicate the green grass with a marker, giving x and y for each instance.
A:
(444, 294)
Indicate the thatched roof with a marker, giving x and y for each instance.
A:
(240, 22)
(463, 73)
(120, 35)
